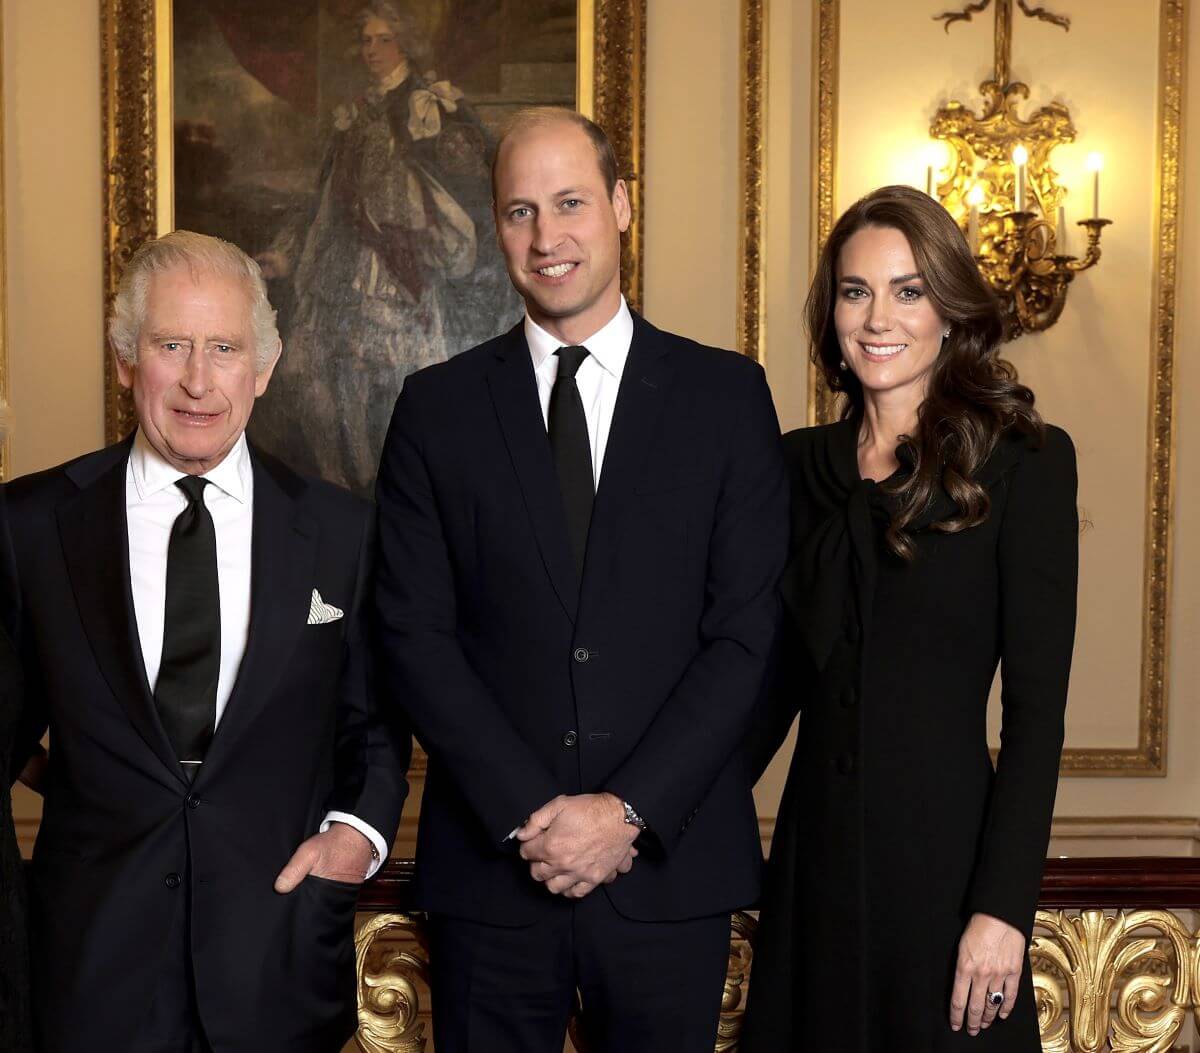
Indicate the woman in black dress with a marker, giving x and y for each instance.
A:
(935, 535)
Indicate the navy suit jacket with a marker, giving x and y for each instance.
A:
(523, 683)
(126, 843)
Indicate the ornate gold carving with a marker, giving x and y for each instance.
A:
(389, 1003)
(135, 85)
(1014, 243)
(751, 335)
(822, 402)
(1145, 958)
(741, 954)
(620, 108)
(129, 96)
(1125, 982)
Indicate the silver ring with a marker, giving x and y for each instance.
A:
(996, 998)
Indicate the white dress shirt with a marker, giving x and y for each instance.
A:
(598, 378)
(152, 504)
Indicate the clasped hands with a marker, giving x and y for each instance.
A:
(573, 844)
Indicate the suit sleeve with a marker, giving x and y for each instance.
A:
(372, 752)
(1039, 571)
(704, 720)
(426, 672)
(32, 719)
(790, 677)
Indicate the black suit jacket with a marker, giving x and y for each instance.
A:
(125, 842)
(523, 685)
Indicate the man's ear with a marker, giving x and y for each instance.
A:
(621, 206)
(263, 377)
(124, 371)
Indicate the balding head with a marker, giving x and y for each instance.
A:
(535, 118)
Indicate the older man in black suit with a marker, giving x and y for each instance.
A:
(582, 526)
(193, 628)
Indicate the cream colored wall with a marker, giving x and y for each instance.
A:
(52, 209)
(52, 169)
(884, 122)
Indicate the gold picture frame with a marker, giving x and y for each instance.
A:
(752, 249)
(4, 382)
(1149, 756)
(137, 125)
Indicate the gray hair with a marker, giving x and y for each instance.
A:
(406, 26)
(201, 254)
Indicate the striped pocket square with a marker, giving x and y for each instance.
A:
(322, 613)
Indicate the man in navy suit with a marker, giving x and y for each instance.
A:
(582, 523)
(193, 622)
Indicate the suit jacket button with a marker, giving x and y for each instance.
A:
(172, 881)
(845, 764)
(849, 697)
(569, 739)
(193, 801)
(581, 654)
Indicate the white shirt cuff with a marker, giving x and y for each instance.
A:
(367, 830)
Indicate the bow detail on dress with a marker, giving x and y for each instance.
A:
(425, 107)
(837, 541)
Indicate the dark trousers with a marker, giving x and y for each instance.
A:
(646, 987)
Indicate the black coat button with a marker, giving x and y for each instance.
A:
(849, 697)
(581, 654)
(172, 881)
(852, 631)
(845, 764)
(193, 801)
(569, 739)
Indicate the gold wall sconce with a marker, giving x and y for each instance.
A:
(1003, 191)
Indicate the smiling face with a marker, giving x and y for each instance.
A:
(560, 229)
(194, 382)
(380, 49)
(888, 329)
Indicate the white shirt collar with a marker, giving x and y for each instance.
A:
(152, 473)
(389, 83)
(609, 346)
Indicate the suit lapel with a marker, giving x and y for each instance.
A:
(641, 396)
(95, 541)
(514, 394)
(283, 550)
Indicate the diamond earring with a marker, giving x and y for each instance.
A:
(843, 366)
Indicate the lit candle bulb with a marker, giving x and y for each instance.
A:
(974, 200)
(935, 160)
(1020, 159)
(1095, 162)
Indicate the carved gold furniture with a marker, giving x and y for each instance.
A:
(1115, 964)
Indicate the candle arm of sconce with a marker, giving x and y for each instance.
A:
(1092, 256)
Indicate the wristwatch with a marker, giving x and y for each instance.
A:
(632, 818)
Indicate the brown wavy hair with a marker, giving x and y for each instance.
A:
(974, 396)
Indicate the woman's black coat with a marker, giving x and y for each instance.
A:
(894, 829)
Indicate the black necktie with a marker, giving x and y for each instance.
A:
(572, 450)
(186, 691)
